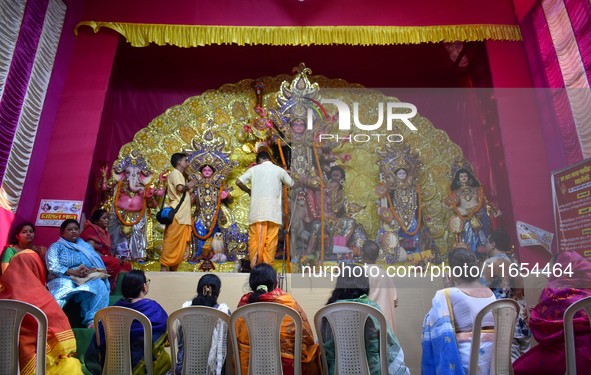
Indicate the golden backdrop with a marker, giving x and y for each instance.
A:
(227, 110)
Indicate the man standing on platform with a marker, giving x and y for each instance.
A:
(177, 235)
(265, 217)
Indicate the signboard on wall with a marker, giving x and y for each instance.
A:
(52, 212)
(571, 189)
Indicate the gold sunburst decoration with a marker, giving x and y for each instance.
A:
(227, 110)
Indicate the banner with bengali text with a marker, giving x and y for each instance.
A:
(529, 235)
(571, 188)
(53, 212)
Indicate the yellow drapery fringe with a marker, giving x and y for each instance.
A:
(141, 35)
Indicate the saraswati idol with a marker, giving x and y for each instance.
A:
(473, 216)
(210, 166)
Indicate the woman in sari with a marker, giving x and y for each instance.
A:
(95, 233)
(263, 283)
(350, 288)
(547, 325)
(24, 234)
(135, 286)
(24, 281)
(447, 328)
(77, 272)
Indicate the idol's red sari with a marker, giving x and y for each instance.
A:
(547, 326)
(310, 351)
(24, 281)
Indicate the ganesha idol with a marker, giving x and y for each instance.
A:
(133, 198)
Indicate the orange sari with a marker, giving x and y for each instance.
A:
(24, 281)
(310, 352)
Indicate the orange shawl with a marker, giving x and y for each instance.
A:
(101, 237)
(310, 351)
(24, 281)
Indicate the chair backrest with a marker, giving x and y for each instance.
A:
(198, 324)
(347, 322)
(263, 320)
(569, 332)
(117, 325)
(505, 312)
(11, 316)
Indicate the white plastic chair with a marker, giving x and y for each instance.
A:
(569, 333)
(505, 313)
(11, 316)
(198, 324)
(263, 320)
(117, 325)
(347, 322)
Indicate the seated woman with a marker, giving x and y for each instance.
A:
(71, 257)
(24, 281)
(95, 233)
(263, 283)
(447, 328)
(23, 237)
(135, 287)
(547, 325)
(355, 289)
(208, 291)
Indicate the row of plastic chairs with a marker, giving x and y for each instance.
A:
(263, 320)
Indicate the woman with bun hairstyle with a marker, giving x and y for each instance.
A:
(263, 283)
(208, 291)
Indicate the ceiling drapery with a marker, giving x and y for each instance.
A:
(141, 35)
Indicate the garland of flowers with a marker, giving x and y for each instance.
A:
(117, 207)
(286, 209)
(400, 221)
(321, 203)
(215, 219)
(453, 203)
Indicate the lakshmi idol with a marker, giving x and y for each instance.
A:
(209, 167)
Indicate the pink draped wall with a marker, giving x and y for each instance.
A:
(562, 137)
(579, 12)
(141, 86)
(565, 121)
(18, 76)
(302, 13)
(528, 172)
(74, 135)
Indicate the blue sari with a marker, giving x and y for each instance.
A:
(443, 349)
(95, 356)
(92, 295)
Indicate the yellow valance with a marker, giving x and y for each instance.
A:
(141, 35)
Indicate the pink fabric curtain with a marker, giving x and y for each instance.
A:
(579, 12)
(18, 75)
(565, 120)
